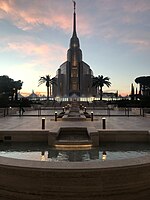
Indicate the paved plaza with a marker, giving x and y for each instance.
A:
(30, 121)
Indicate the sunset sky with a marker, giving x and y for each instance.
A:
(114, 38)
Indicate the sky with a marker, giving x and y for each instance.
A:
(114, 38)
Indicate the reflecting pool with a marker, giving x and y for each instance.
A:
(41, 151)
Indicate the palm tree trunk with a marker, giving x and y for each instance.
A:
(101, 93)
(47, 94)
(50, 87)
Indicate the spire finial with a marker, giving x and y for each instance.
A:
(74, 3)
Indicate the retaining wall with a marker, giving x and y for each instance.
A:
(108, 180)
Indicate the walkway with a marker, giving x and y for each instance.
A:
(35, 122)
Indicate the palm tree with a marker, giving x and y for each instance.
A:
(99, 83)
(46, 79)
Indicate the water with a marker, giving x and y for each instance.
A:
(41, 151)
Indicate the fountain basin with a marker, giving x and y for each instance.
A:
(114, 179)
(125, 179)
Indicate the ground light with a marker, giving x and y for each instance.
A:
(104, 155)
(73, 147)
(43, 158)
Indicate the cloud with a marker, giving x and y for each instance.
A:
(40, 54)
(34, 54)
(122, 22)
(136, 6)
(28, 15)
(138, 43)
(103, 19)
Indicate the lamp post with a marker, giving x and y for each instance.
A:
(92, 116)
(63, 109)
(55, 116)
(104, 123)
(43, 123)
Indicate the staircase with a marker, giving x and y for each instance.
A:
(73, 138)
(74, 113)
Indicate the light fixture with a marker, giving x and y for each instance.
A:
(73, 146)
(56, 116)
(43, 122)
(104, 155)
(43, 158)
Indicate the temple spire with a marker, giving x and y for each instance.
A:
(74, 19)
(74, 42)
(74, 3)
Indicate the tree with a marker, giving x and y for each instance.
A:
(132, 92)
(46, 79)
(99, 82)
(9, 87)
(17, 86)
(6, 85)
(144, 82)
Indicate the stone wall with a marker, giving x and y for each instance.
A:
(107, 180)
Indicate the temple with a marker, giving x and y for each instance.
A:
(74, 77)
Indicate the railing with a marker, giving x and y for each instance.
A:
(97, 111)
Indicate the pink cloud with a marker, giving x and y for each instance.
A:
(136, 6)
(139, 44)
(106, 22)
(5, 6)
(35, 13)
(51, 14)
(41, 51)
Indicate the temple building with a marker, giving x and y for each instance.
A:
(74, 77)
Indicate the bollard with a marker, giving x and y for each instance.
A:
(104, 123)
(91, 116)
(84, 109)
(63, 109)
(43, 123)
(55, 116)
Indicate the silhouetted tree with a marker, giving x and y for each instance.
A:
(6, 85)
(99, 82)
(9, 87)
(132, 92)
(144, 82)
(48, 81)
(17, 86)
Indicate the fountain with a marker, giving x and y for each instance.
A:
(74, 113)
(107, 179)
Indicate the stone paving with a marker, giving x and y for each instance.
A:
(35, 123)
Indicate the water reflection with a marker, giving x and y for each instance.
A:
(41, 151)
(73, 155)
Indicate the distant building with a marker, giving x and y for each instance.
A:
(33, 96)
(74, 77)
